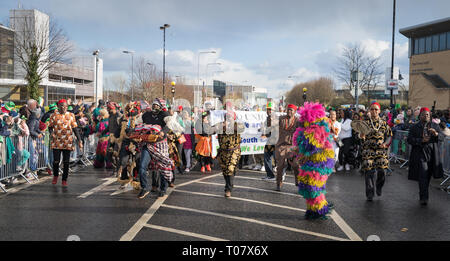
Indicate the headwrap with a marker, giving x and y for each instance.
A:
(111, 106)
(157, 102)
(62, 101)
(292, 106)
(424, 109)
(377, 104)
(10, 106)
(52, 107)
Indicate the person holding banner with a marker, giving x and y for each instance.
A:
(229, 151)
(204, 147)
(283, 153)
(424, 161)
(269, 149)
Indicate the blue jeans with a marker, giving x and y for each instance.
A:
(33, 155)
(268, 163)
(143, 167)
(163, 184)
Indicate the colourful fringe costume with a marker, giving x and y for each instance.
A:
(313, 144)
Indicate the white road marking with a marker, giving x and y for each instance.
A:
(24, 186)
(265, 190)
(344, 226)
(334, 215)
(257, 222)
(107, 182)
(241, 199)
(185, 233)
(134, 230)
(258, 179)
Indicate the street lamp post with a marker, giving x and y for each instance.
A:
(198, 72)
(392, 59)
(173, 92)
(164, 58)
(132, 72)
(95, 53)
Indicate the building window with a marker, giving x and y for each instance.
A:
(448, 40)
(435, 44)
(422, 45)
(428, 44)
(442, 42)
(416, 46)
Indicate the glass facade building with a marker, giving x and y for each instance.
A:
(6, 53)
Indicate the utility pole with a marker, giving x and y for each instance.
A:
(392, 60)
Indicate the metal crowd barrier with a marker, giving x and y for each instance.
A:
(445, 158)
(10, 170)
(400, 149)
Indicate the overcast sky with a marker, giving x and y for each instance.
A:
(258, 42)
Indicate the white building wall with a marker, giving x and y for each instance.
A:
(32, 25)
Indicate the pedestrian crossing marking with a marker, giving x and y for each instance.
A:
(185, 233)
(257, 222)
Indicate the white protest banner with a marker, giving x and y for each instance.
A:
(251, 137)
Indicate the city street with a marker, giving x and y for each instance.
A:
(92, 209)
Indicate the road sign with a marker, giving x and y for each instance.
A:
(392, 85)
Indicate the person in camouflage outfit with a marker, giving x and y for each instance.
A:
(230, 150)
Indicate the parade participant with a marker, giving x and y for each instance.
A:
(114, 129)
(374, 151)
(229, 149)
(203, 147)
(160, 148)
(63, 124)
(283, 154)
(335, 129)
(345, 136)
(126, 153)
(424, 161)
(315, 157)
(102, 145)
(268, 132)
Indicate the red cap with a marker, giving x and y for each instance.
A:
(62, 101)
(292, 106)
(424, 109)
(180, 108)
(377, 104)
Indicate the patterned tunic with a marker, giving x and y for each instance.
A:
(229, 152)
(62, 136)
(373, 155)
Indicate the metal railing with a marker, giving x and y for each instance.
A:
(445, 159)
(400, 149)
(19, 161)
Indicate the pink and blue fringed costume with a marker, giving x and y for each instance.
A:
(313, 144)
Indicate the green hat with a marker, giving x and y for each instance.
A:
(52, 107)
(10, 106)
(70, 108)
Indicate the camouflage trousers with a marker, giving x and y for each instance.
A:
(228, 161)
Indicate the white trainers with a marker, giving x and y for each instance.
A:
(247, 167)
(347, 167)
(257, 167)
(262, 169)
(187, 170)
(340, 168)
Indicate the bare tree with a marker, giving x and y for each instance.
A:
(317, 90)
(355, 58)
(38, 47)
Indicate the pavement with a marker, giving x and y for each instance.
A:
(93, 208)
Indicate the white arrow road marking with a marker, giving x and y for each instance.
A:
(107, 182)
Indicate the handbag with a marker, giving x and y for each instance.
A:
(181, 139)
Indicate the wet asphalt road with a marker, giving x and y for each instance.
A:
(93, 209)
